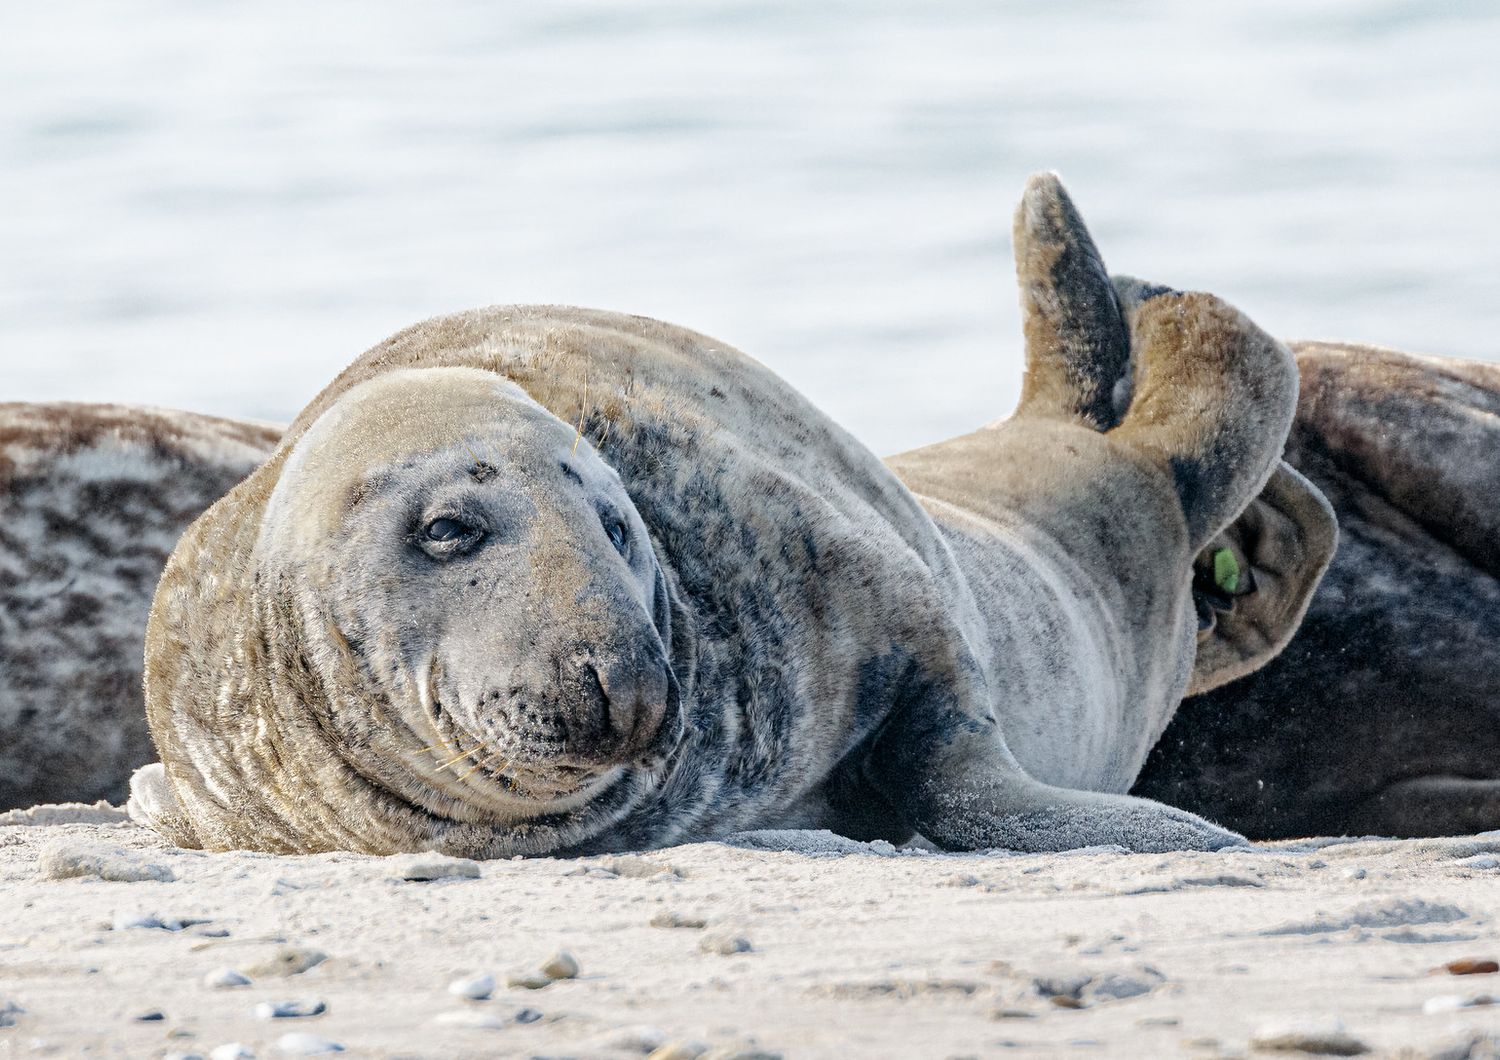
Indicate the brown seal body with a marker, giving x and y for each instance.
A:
(1383, 714)
(92, 500)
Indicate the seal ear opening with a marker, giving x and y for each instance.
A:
(1254, 580)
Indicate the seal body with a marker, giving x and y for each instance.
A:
(545, 579)
(92, 500)
(1383, 714)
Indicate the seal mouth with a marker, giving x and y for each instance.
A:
(537, 772)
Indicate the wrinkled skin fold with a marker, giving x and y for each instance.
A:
(544, 579)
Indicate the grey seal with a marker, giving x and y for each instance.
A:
(1383, 714)
(539, 579)
(92, 501)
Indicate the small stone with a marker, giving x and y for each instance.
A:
(289, 1010)
(1061, 985)
(1158, 1021)
(474, 987)
(671, 919)
(9, 1010)
(1471, 966)
(300, 1043)
(633, 866)
(1064, 1001)
(225, 978)
(729, 1052)
(561, 965)
(527, 1015)
(1454, 1002)
(471, 1018)
(154, 1015)
(124, 921)
(231, 1051)
(641, 1039)
(424, 868)
(679, 1050)
(528, 981)
(883, 847)
(1117, 987)
(1012, 1014)
(1323, 1039)
(725, 944)
(67, 861)
(287, 961)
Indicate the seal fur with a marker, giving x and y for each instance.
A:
(92, 500)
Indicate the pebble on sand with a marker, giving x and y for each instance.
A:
(470, 1018)
(1322, 1039)
(474, 987)
(286, 1010)
(561, 965)
(671, 919)
(425, 868)
(287, 961)
(300, 1043)
(9, 1010)
(528, 981)
(225, 978)
(1453, 1002)
(154, 1015)
(124, 921)
(679, 1050)
(641, 1038)
(725, 944)
(1471, 966)
(65, 861)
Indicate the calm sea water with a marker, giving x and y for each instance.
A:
(217, 206)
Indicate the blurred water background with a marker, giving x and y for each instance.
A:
(216, 206)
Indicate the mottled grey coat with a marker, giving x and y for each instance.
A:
(1383, 715)
(92, 500)
(980, 641)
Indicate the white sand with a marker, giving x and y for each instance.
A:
(857, 951)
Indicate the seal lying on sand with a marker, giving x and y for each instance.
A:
(1383, 715)
(92, 499)
(541, 579)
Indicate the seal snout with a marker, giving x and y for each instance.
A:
(622, 711)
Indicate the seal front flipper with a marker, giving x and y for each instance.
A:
(1253, 582)
(960, 788)
(154, 804)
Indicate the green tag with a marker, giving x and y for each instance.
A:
(1226, 570)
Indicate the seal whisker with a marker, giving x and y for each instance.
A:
(485, 762)
(457, 758)
(583, 405)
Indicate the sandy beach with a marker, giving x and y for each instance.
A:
(791, 944)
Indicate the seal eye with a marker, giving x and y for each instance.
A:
(446, 537)
(616, 531)
(444, 530)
